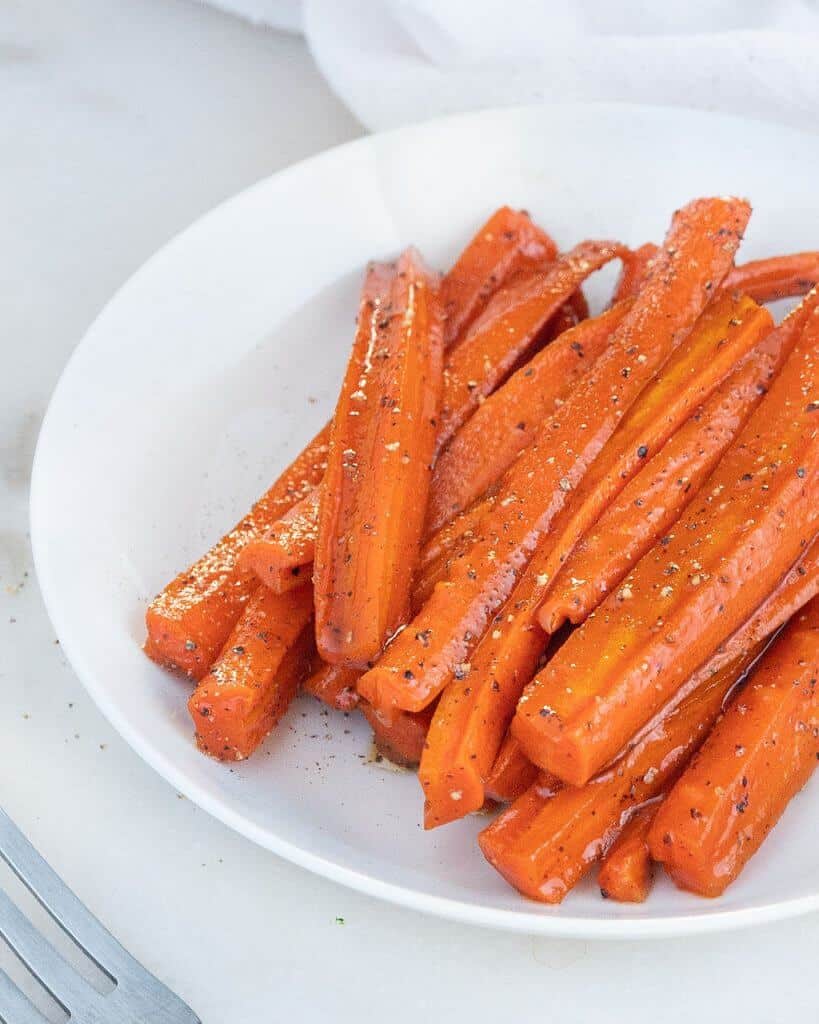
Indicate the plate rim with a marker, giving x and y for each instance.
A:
(552, 922)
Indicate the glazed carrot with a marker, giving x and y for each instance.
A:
(252, 682)
(635, 269)
(778, 277)
(506, 243)
(756, 760)
(544, 843)
(511, 774)
(508, 328)
(508, 421)
(655, 498)
(334, 685)
(189, 622)
(697, 254)
(627, 871)
(399, 735)
(754, 517)
(373, 498)
(284, 551)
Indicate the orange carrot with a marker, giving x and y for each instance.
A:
(334, 685)
(511, 774)
(697, 254)
(252, 682)
(373, 498)
(627, 871)
(189, 622)
(655, 498)
(506, 243)
(509, 420)
(778, 277)
(284, 551)
(755, 516)
(758, 757)
(508, 328)
(399, 735)
(544, 843)
(635, 270)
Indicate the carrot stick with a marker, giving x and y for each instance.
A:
(508, 328)
(506, 243)
(511, 774)
(697, 253)
(508, 421)
(635, 270)
(282, 553)
(758, 757)
(778, 277)
(544, 843)
(756, 514)
(252, 682)
(399, 735)
(655, 498)
(189, 622)
(627, 872)
(374, 495)
(334, 685)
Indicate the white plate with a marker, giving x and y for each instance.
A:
(219, 359)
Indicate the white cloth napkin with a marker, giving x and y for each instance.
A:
(396, 61)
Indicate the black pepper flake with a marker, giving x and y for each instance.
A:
(812, 407)
(642, 451)
(238, 649)
(801, 472)
(545, 712)
(423, 637)
(190, 645)
(742, 805)
(409, 674)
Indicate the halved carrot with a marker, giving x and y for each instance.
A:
(756, 514)
(544, 843)
(697, 254)
(627, 872)
(506, 243)
(778, 277)
(189, 622)
(655, 498)
(374, 494)
(635, 270)
(398, 735)
(511, 774)
(334, 685)
(252, 682)
(508, 328)
(508, 421)
(758, 757)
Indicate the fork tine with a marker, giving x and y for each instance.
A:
(53, 972)
(15, 1008)
(55, 896)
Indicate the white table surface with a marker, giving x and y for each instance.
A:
(120, 122)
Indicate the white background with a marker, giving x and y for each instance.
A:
(119, 124)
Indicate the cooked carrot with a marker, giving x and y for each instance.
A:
(511, 774)
(756, 760)
(635, 270)
(506, 243)
(778, 277)
(189, 622)
(656, 497)
(508, 421)
(252, 682)
(696, 256)
(373, 498)
(508, 328)
(398, 735)
(283, 552)
(544, 843)
(754, 516)
(627, 871)
(334, 685)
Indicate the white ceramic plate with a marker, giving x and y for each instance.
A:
(213, 365)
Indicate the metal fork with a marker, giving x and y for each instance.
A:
(137, 997)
